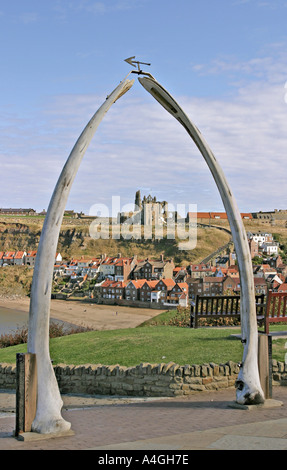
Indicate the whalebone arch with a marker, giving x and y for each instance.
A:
(48, 417)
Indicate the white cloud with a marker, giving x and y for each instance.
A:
(269, 67)
(139, 145)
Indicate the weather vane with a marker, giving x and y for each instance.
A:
(134, 62)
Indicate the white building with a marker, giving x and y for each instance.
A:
(261, 237)
(270, 248)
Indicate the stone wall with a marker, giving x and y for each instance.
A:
(146, 379)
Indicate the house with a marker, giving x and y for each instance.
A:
(246, 216)
(274, 282)
(222, 261)
(220, 272)
(153, 269)
(212, 285)
(60, 270)
(198, 271)
(71, 269)
(30, 258)
(267, 270)
(84, 262)
(118, 268)
(178, 292)
(231, 284)
(218, 215)
(110, 289)
(17, 211)
(205, 217)
(94, 271)
(146, 289)
(58, 258)
(164, 286)
(19, 258)
(275, 261)
(260, 237)
(282, 288)
(180, 274)
(195, 287)
(282, 269)
(132, 289)
(183, 300)
(260, 285)
(257, 270)
(155, 296)
(253, 247)
(123, 267)
(270, 248)
(107, 267)
(232, 271)
(8, 258)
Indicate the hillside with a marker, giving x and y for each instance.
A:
(23, 233)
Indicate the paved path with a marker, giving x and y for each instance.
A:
(203, 420)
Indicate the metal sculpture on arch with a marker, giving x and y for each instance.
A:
(48, 417)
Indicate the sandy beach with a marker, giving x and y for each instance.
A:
(98, 317)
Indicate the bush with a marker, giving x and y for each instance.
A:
(182, 319)
(20, 336)
(229, 321)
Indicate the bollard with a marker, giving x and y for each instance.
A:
(26, 392)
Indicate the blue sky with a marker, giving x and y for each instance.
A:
(225, 62)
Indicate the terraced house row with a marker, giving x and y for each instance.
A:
(165, 291)
(20, 258)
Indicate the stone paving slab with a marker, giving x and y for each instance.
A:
(235, 442)
(269, 435)
(202, 420)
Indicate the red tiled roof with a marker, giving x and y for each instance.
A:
(31, 253)
(109, 283)
(200, 267)
(167, 282)
(218, 215)
(19, 254)
(152, 284)
(214, 215)
(182, 285)
(9, 255)
(138, 283)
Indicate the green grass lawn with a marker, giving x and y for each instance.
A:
(158, 344)
(155, 341)
(146, 344)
